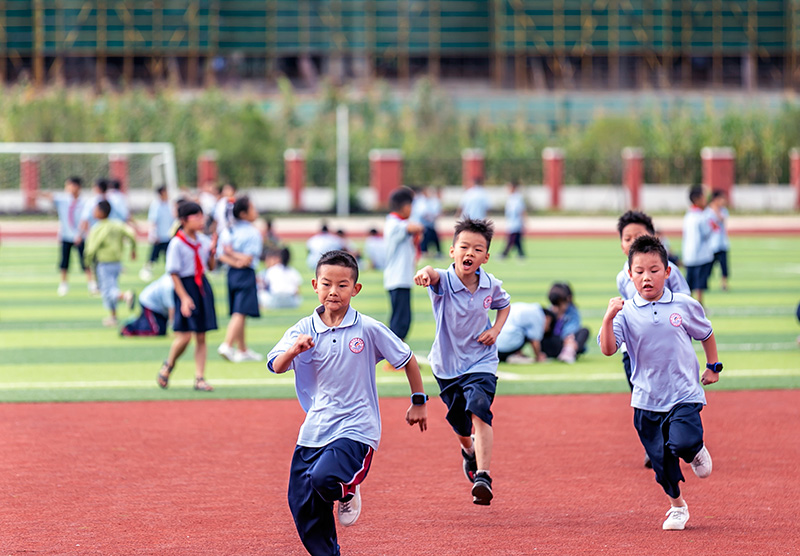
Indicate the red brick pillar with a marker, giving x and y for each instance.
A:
(633, 175)
(29, 180)
(553, 174)
(719, 169)
(385, 174)
(118, 170)
(473, 166)
(207, 170)
(794, 175)
(294, 161)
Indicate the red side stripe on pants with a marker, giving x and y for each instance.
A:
(358, 478)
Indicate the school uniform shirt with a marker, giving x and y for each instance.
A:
(157, 295)
(160, 215)
(223, 214)
(104, 243)
(525, 323)
(243, 237)
(665, 370)
(335, 380)
(461, 316)
(515, 212)
(475, 203)
(282, 281)
(320, 244)
(88, 210)
(180, 257)
(697, 248)
(69, 211)
(376, 251)
(119, 205)
(675, 283)
(719, 230)
(400, 254)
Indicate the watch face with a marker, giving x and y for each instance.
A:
(418, 399)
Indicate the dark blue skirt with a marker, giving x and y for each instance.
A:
(243, 292)
(203, 317)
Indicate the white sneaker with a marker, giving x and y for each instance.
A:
(249, 355)
(93, 289)
(349, 511)
(676, 518)
(701, 464)
(519, 359)
(145, 275)
(227, 352)
(63, 288)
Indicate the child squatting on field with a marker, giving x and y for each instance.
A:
(333, 353)
(658, 326)
(464, 355)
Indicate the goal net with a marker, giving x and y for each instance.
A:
(27, 168)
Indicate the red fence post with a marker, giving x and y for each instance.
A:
(29, 180)
(633, 174)
(553, 170)
(719, 169)
(118, 170)
(207, 170)
(294, 161)
(473, 166)
(385, 173)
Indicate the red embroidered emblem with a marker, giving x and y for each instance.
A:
(675, 319)
(356, 345)
(487, 302)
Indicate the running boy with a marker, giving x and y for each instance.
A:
(241, 248)
(333, 353)
(658, 327)
(189, 255)
(698, 252)
(104, 248)
(720, 242)
(464, 355)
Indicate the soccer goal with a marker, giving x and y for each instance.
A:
(34, 167)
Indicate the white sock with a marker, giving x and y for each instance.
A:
(482, 471)
(469, 451)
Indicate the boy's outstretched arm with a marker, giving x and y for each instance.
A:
(608, 342)
(281, 363)
(426, 277)
(416, 413)
(710, 347)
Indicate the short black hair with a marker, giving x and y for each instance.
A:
(105, 208)
(559, 293)
(648, 244)
(338, 257)
(161, 189)
(101, 184)
(285, 255)
(115, 184)
(77, 180)
(635, 217)
(479, 226)
(717, 193)
(400, 198)
(240, 206)
(695, 193)
(188, 208)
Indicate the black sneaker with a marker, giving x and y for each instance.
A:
(482, 489)
(470, 466)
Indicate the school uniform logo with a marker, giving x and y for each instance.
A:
(487, 302)
(675, 319)
(356, 345)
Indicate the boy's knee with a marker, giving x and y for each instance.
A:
(328, 486)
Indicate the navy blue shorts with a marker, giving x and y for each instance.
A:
(243, 292)
(669, 437)
(697, 276)
(465, 396)
(203, 317)
(400, 320)
(317, 478)
(721, 257)
(156, 250)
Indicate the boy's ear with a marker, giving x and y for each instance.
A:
(356, 289)
(314, 283)
(667, 272)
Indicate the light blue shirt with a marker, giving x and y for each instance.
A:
(335, 380)
(719, 230)
(69, 211)
(376, 251)
(697, 249)
(160, 215)
(88, 210)
(180, 257)
(515, 212)
(665, 370)
(157, 295)
(243, 237)
(675, 283)
(400, 254)
(320, 244)
(119, 206)
(461, 316)
(475, 203)
(525, 323)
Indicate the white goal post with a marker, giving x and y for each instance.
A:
(141, 166)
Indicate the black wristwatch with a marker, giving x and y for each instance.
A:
(418, 398)
(714, 367)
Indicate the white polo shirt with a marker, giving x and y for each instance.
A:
(697, 247)
(525, 323)
(664, 366)
(335, 380)
(157, 296)
(461, 316)
(400, 254)
(675, 283)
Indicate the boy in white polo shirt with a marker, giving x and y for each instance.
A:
(698, 250)
(464, 355)
(333, 353)
(658, 327)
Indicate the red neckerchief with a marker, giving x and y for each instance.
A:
(198, 262)
(398, 216)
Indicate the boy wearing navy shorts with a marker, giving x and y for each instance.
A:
(464, 355)
(189, 254)
(240, 246)
(658, 326)
(333, 353)
(697, 250)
